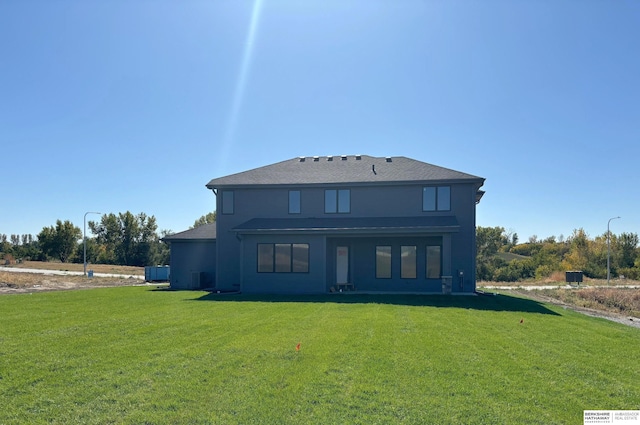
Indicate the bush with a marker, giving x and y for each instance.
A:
(505, 274)
(526, 249)
(544, 271)
(514, 271)
(630, 273)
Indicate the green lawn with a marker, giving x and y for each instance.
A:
(138, 355)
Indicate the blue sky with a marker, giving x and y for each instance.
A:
(117, 106)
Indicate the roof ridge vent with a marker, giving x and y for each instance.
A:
(388, 159)
(316, 158)
(329, 157)
(358, 157)
(302, 158)
(343, 157)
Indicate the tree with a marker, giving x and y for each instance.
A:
(209, 218)
(585, 254)
(28, 248)
(93, 252)
(164, 253)
(489, 240)
(578, 255)
(107, 233)
(627, 244)
(127, 239)
(5, 246)
(60, 241)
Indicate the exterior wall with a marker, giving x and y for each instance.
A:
(464, 242)
(362, 264)
(291, 283)
(236, 258)
(188, 257)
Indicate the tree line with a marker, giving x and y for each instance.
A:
(122, 239)
(500, 256)
(128, 239)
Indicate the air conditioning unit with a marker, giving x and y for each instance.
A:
(200, 280)
(197, 280)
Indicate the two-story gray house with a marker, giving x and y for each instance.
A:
(351, 222)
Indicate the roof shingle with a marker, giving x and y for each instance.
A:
(204, 232)
(343, 169)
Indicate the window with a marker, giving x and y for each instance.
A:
(434, 261)
(383, 262)
(429, 198)
(436, 198)
(330, 201)
(265, 258)
(337, 201)
(300, 258)
(444, 198)
(344, 201)
(294, 202)
(283, 258)
(408, 262)
(227, 202)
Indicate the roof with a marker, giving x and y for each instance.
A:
(200, 233)
(343, 169)
(368, 225)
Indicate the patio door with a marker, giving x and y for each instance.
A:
(342, 264)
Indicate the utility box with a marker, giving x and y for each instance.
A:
(447, 283)
(573, 276)
(156, 273)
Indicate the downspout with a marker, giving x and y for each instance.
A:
(241, 239)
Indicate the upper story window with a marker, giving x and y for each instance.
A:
(337, 201)
(294, 202)
(436, 198)
(227, 202)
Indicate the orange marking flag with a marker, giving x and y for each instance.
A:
(298, 347)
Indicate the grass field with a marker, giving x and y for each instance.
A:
(141, 355)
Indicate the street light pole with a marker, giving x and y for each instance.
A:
(609, 250)
(84, 239)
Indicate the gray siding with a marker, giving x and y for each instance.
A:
(362, 252)
(237, 256)
(292, 283)
(189, 257)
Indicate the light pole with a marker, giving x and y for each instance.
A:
(84, 239)
(609, 250)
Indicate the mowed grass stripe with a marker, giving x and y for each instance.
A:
(137, 355)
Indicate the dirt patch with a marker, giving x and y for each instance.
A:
(609, 315)
(16, 283)
(587, 282)
(79, 267)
